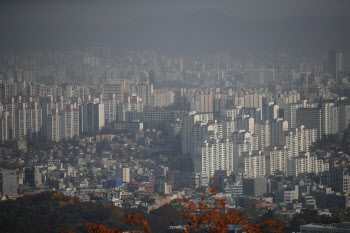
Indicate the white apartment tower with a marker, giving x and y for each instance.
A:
(4, 127)
(33, 122)
(47, 106)
(187, 124)
(133, 104)
(277, 160)
(254, 164)
(246, 123)
(242, 142)
(213, 155)
(11, 109)
(330, 118)
(111, 109)
(21, 122)
(262, 130)
(70, 123)
(231, 112)
(54, 126)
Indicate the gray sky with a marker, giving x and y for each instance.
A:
(108, 12)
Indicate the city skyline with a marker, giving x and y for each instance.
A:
(174, 115)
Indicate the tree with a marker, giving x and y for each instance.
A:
(136, 221)
(199, 217)
(107, 130)
(218, 218)
(309, 216)
(252, 211)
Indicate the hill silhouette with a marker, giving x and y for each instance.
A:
(50, 211)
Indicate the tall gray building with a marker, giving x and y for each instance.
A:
(335, 62)
(33, 176)
(254, 187)
(339, 179)
(8, 182)
(344, 117)
(310, 117)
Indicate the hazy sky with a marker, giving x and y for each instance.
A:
(28, 12)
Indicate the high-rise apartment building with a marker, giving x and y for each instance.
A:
(111, 109)
(270, 111)
(276, 160)
(132, 104)
(8, 182)
(124, 174)
(262, 130)
(33, 176)
(95, 117)
(21, 122)
(117, 89)
(11, 108)
(254, 164)
(232, 112)
(203, 102)
(306, 163)
(335, 65)
(246, 123)
(330, 118)
(344, 117)
(48, 105)
(254, 187)
(33, 122)
(4, 131)
(290, 111)
(54, 126)
(187, 124)
(144, 91)
(310, 117)
(277, 127)
(213, 155)
(70, 123)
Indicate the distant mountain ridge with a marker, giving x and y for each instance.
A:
(193, 34)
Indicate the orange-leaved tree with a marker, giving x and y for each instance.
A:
(218, 218)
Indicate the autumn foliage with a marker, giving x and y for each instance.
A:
(136, 221)
(215, 218)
